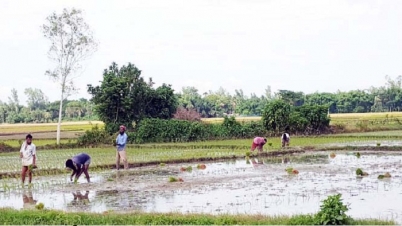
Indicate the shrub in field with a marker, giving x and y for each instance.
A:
(359, 172)
(332, 212)
(5, 147)
(161, 130)
(362, 125)
(279, 116)
(94, 137)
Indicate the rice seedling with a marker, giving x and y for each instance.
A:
(173, 179)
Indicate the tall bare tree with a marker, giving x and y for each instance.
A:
(72, 42)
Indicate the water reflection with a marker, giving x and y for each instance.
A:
(80, 199)
(262, 186)
(27, 198)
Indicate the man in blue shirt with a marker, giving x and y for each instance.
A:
(121, 142)
(79, 164)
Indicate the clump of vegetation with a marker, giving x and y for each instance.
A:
(270, 144)
(378, 144)
(361, 173)
(162, 164)
(290, 170)
(174, 179)
(358, 154)
(5, 147)
(333, 212)
(188, 168)
(386, 175)
(201, 166)
(248, 153)
(40, 206)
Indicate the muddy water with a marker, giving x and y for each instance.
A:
(254, 186)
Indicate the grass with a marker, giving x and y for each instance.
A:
(52, 161)
(47, 127)
(37, 142)
(51, 217)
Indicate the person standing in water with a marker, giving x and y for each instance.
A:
(28, 158)
(285, 139)
(79, 164)
(258, 143)
(121, 142)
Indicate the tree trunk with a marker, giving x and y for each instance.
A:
(59, 123)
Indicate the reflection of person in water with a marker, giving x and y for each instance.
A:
(255, 162)
(285, 160)
(80, 199)
(27, 198)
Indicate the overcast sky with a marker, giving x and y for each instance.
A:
(240, 44)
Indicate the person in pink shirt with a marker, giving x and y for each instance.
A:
(258, 143)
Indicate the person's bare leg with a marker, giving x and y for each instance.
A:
(29, 176)
(86, 173)
(117, 160)
(23, 174)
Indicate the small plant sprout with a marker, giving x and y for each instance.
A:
(201, 166)
(173, 179)
(359, 172)
(378, 144)
(358, 154)
(248, 153)
(40, 206)
(162, 164)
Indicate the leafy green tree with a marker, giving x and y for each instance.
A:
(124, 97)
(276, 115)
(14, 101)
(36, 99)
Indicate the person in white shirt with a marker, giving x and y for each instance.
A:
(28, 158)
(285, 138)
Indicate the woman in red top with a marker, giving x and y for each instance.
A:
(258, 143)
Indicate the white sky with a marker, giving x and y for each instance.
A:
(240, 44)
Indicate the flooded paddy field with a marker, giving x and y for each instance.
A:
(251, 186)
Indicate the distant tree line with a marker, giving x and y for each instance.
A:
(217, 104)
(39, 109)
(124, 97)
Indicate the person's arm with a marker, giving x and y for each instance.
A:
(71, 177)
(22, 148)
(34, 155)
(117, 141)
(79, 172)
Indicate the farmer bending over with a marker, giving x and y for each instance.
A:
(79, 164)
(258, 143)
(285, 138)
(121, 142)
(28, 158)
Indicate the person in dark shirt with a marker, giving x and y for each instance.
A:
(79, 164)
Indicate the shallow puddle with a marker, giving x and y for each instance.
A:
(256, 185)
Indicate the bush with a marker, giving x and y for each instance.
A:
(5, 147)
(332, 212)
(279, 116)
(94, 137)
(161, 130)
